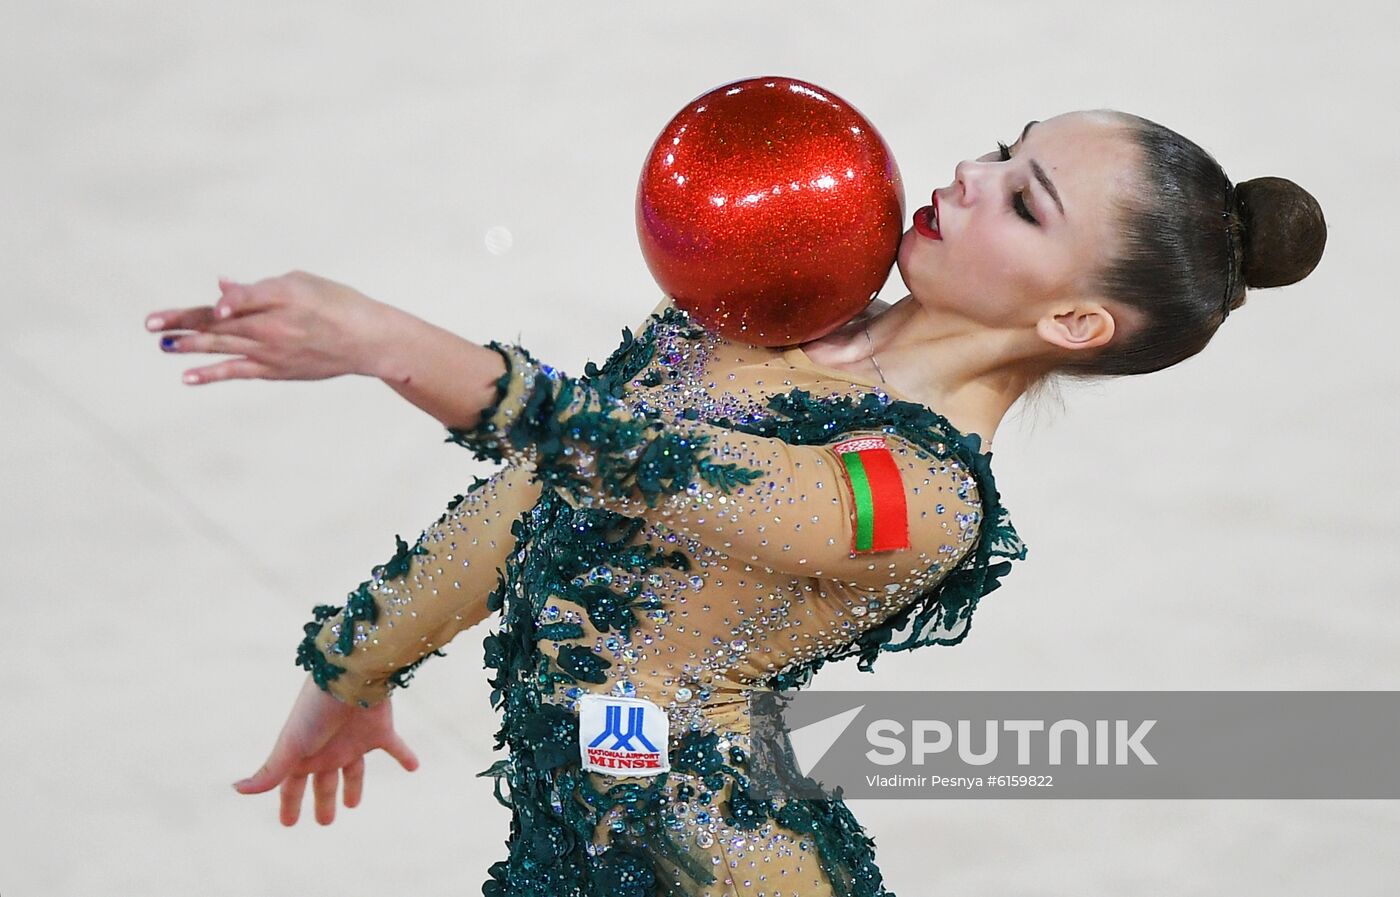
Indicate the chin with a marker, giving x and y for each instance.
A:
(906, 245)
(916, 284)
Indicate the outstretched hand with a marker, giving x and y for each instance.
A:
(294, 327)
(322, 738)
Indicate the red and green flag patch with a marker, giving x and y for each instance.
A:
(877, 493)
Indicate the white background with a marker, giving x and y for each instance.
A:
(1225, 524)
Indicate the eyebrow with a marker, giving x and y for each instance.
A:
(1040, 174)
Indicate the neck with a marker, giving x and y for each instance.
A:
(955, 367)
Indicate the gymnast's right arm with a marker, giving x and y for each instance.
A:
(420, 598)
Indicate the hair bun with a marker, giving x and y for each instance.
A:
(1284, 231)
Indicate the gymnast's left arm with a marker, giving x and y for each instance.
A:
(869, 508)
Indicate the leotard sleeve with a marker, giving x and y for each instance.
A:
(868, 509)
(419, 599)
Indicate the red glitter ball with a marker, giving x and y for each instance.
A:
(771, 210)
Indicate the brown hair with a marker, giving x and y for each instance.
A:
(1191, 244)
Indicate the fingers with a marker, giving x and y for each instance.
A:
(325, 784)
(234, 369)
(278, 764)
(354, 781)
(235, 299)
(400, 751)
(292, 791)
(242, 299)
(216, 343)
(197, 318)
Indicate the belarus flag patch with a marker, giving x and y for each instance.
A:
(880, 519)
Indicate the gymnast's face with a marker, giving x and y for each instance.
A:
(1015, 250)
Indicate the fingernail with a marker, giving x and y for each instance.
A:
(167, 343)
(191, 378)
(154, 323)
(224, 311)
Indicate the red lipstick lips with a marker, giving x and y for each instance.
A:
(926, 220)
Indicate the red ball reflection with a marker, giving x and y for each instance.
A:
(770, 210)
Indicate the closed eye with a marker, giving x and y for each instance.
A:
(1018, 199)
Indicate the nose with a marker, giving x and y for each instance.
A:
(967, 180)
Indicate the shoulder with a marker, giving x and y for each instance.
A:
(634, 353)
(959, 528)
(666, 315)
(958, 492)
(657, 312)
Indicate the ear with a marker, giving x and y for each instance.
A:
(1084, 325)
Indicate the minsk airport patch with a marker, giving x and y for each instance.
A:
(622, 736)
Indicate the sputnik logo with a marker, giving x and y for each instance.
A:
(811, 742)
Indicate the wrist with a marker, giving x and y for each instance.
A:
(451, 378)
(392, 346)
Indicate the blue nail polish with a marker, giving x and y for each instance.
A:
(167, 343)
